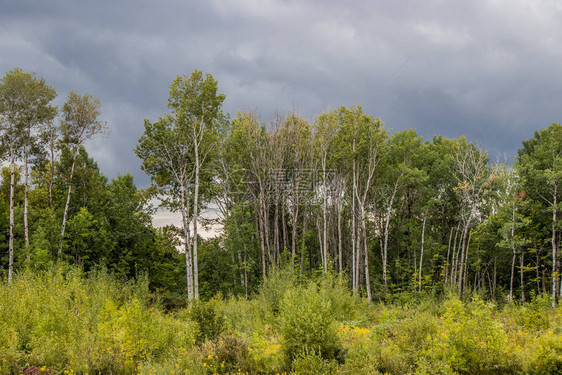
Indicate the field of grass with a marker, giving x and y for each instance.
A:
(62, 322)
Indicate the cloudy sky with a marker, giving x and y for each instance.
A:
(491, 70)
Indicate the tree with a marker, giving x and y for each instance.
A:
(326, 130)
(176, 149)
(362, 140)
(24, 104)
(80, 122)
(473, 182)
(540, 165)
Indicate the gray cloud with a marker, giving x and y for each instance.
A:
(485, 69)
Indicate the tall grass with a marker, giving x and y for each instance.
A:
(60, 321)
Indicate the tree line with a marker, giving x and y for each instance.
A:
(392, 211)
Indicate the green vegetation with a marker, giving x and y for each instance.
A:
(345, 247)
(66, 321)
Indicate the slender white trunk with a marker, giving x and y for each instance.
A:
(353, 233)
(187, 244)
(25, 203)
(514, 253)
(521, 273)
(340, 251)
(52, 181)
(353, 250)
(448, 257)
(260, 228)
(11, 239)
(188, 261)
(67, 205)
(324, 218)
(554, 247)
(367, 277)
(385, 248)
(454, 265)
(195, 216)
(510, 297)
(421, 255)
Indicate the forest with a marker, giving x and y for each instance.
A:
(343, 246)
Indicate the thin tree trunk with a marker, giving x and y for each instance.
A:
(259, 230)
(421, 254)
(26, 204)
(521, 272)
(554, 247)
(355, 287)
(188, 261)
(52, 181)
(319, 232)
(386, 227)
(276, 253)
(512, 276)
(340, 251)
(67, 205)
(454, 258)
(448, 257)
(294, 233)
(495, 278)
(455, 265)
(538, 276)
(187, 244)
(367, 277)
(324, 218)
(303, 245)
(461, 264)
(195, 217)
(11, 240)
(467, 248)
(284, 226)
(245, 273)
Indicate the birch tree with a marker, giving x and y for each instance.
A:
(177, 152)
(361, 142)
(24, 105)
(473, 182)
(326, 130)
(79, 123)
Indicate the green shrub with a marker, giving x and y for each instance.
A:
(313, 364)
(274, 287)
(265, 352)
(307, 326)
(227, 353)
(471, 341)
(210, 321)
(548, 356)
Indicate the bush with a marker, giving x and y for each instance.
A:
(548, 356)
(210, 321)
(273, 289)
(307, 326)
(313, 364)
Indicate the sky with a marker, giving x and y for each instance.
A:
(490, 70)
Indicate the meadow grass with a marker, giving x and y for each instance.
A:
(62, 321)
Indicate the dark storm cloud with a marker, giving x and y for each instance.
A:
(487, 69)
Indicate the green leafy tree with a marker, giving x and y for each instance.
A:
(177, 149)
(540, 166)
(80, 122)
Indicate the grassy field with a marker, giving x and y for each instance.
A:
(61, 322)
